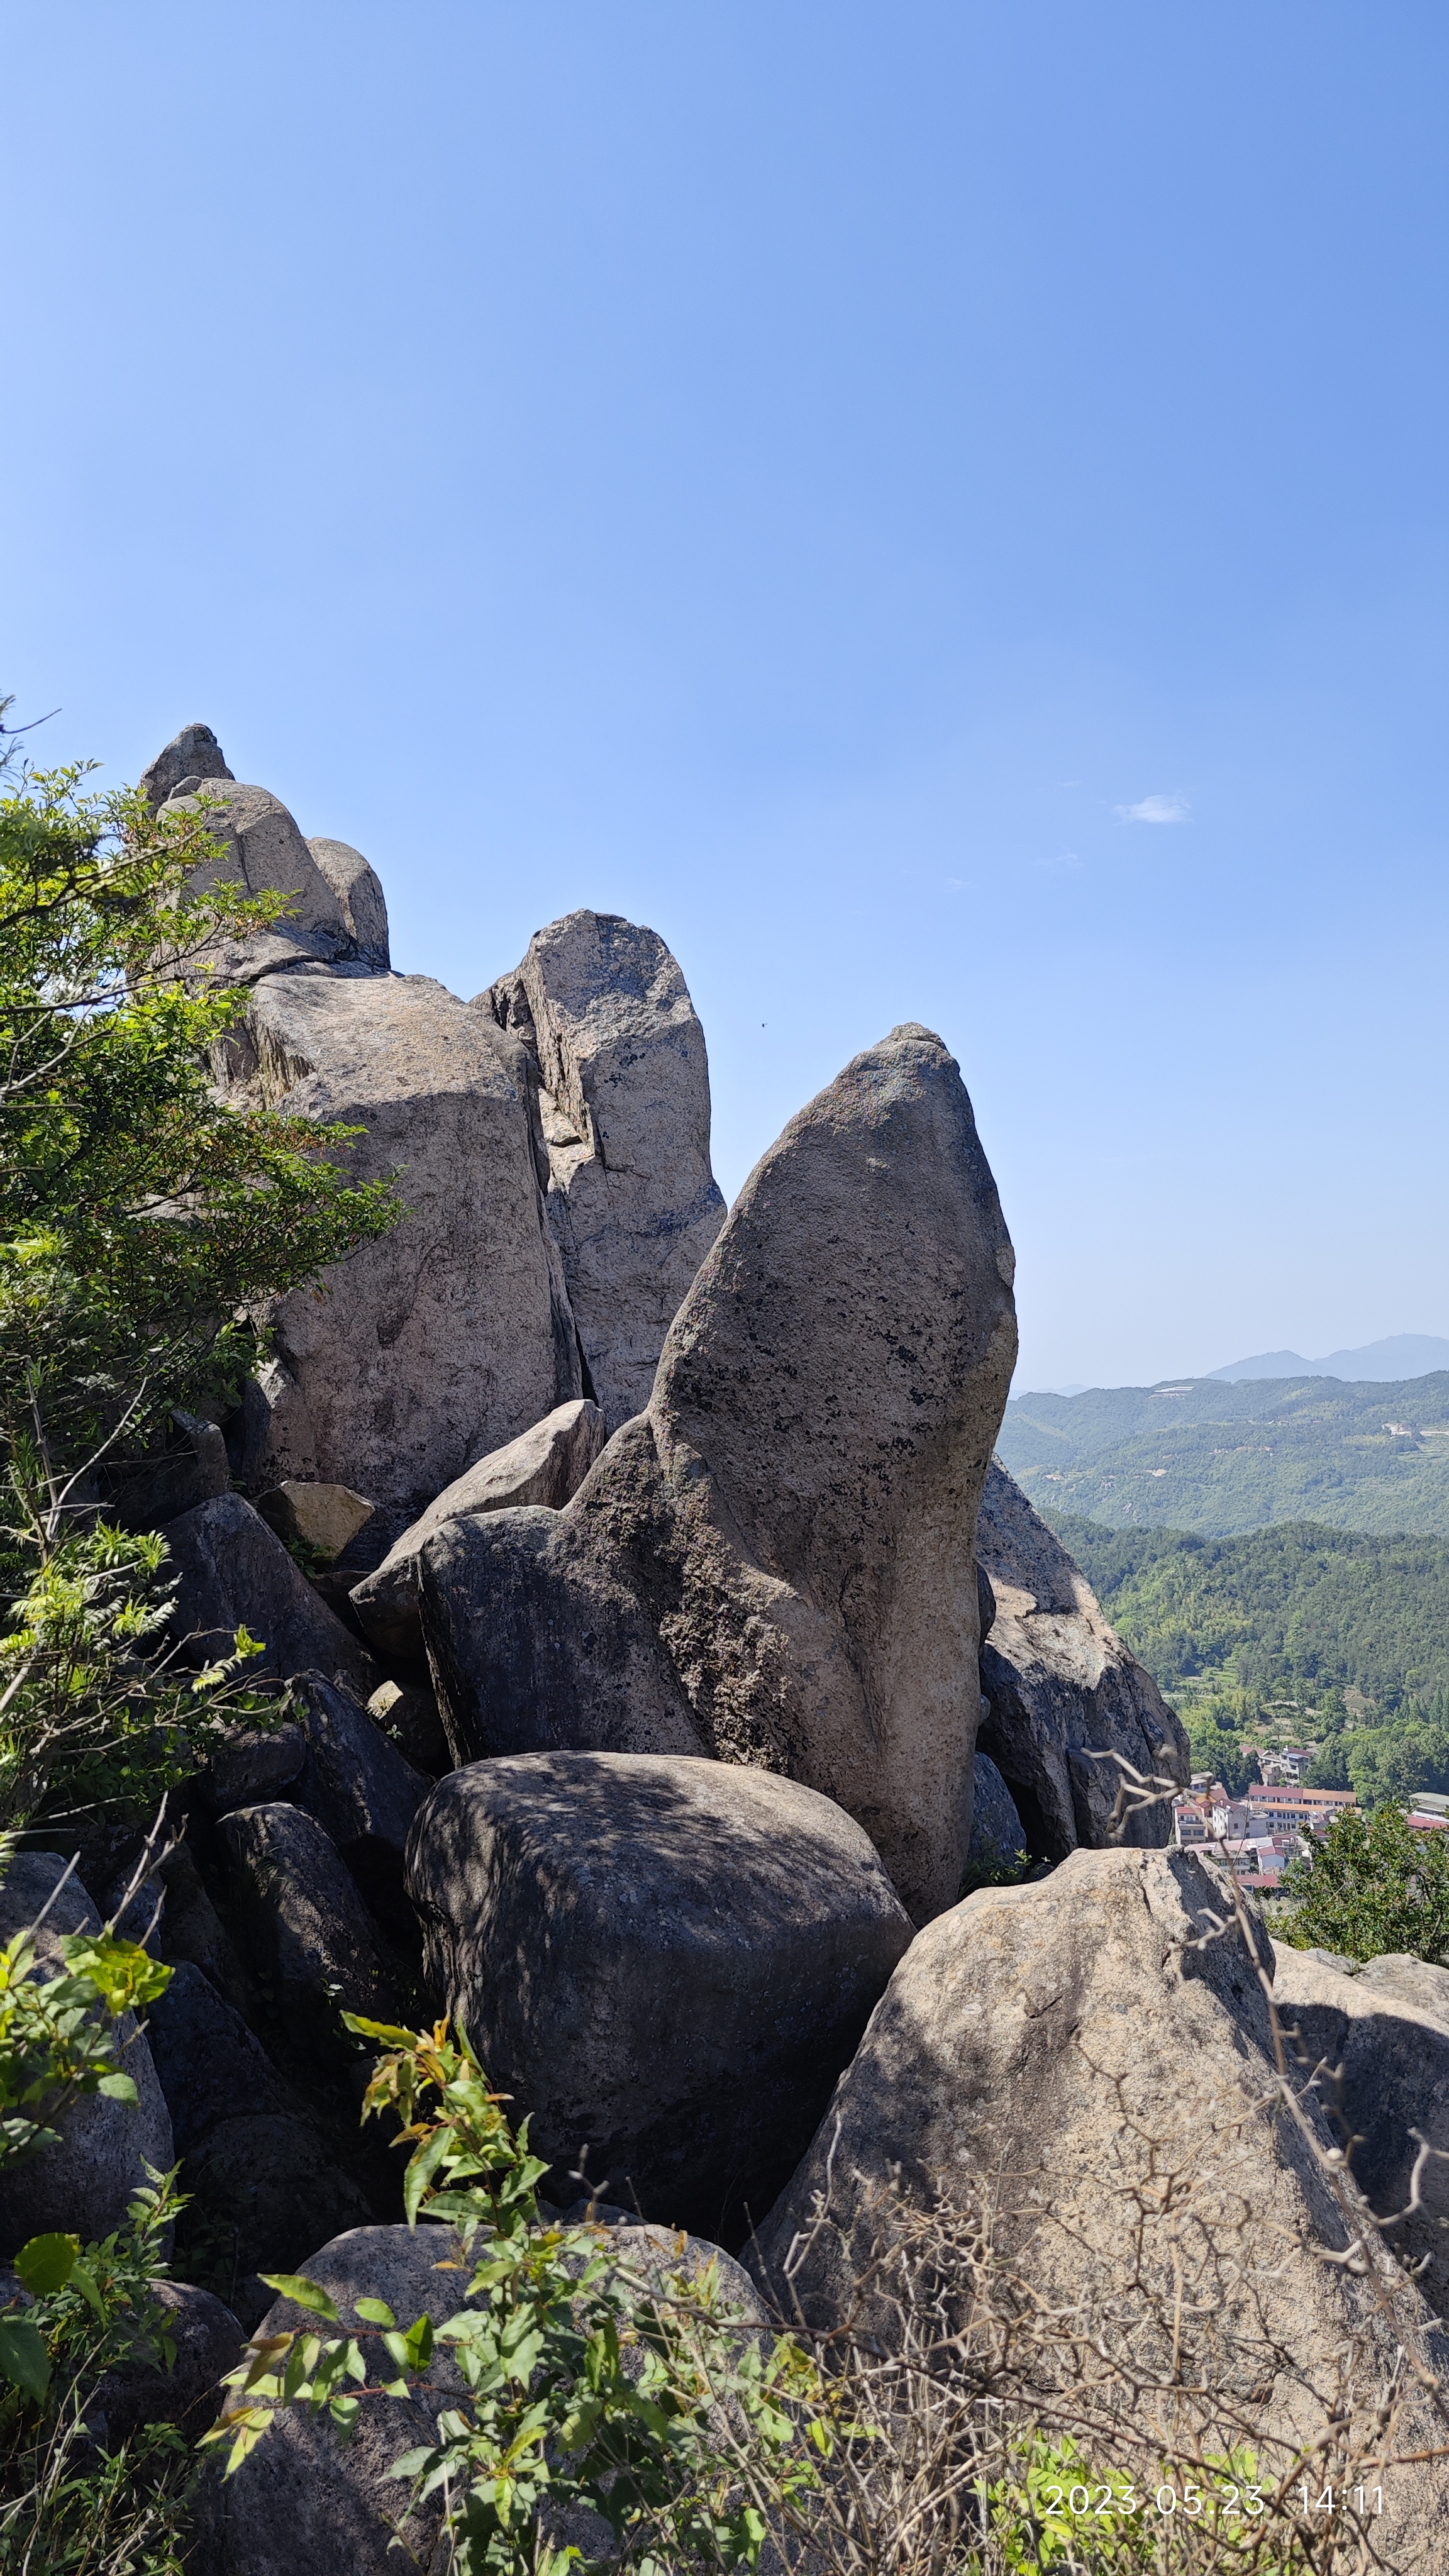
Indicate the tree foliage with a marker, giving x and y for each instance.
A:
(1371, 1884)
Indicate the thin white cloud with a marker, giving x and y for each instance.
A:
(1154, 809)
(1063, 859)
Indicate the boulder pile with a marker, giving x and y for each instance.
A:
(665, 1656)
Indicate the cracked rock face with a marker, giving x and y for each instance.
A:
(1064, 1693)
(604, 1010)
(767, 1566)
(451, 1335)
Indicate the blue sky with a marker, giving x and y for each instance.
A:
(940, 509)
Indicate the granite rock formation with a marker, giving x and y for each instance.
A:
(768, 1565)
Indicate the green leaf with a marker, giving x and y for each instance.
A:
(421, 2170)
(419, 2345)
(118, 2088)
(46, 2263)
(24, 2359)
(375, 2312)
(307, 2294)
(84, 2280)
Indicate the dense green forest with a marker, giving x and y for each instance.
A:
(1285, 1633)
(1199, 1455)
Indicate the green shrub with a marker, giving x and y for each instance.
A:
(1369, 1884)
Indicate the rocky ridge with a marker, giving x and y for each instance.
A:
(692, 1656)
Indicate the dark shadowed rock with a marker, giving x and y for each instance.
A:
(85, 2181)
(306, 1931)
(192, 754)
(208, 2341)
(544, 1466)
(451, 1334)
(665, 1962)
(409, 1717)
(191, 1469)
(1063, 1689)
(997, 1832)
(1385, 2083)
(251, 1763)
(604, 1009)
(209, 2064)
(361, 1790)
(768, 1566)
(235, 1573)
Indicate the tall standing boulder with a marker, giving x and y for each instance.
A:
(1064, 1694)
(452, 1334)
(768, 1566)
(605, 1011)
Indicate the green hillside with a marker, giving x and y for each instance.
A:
(1196, 1455)
(1288, 1633)
(1296, 1609)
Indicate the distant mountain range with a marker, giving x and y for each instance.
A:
(1402, 1355)
(1225, 1454)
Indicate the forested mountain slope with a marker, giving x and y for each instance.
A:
(1198, 1455)
(1296, 1608)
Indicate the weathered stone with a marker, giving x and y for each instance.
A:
(1063, 1690)
(544, 1466)
(666, 1963)
(146, 1492)
(359, 896)
(84, 2182)
(270, 1438)
(207, 2341)
(410, 1719)
(325, 1518)
(452, 1333)
(234, 1572)
(260, 848)
(361, 1791)
(997, 1832)
(304, 2503)
(252, 1763)
(1398, 1975)
(1384, 2081)
(194, 754)
(262, 2175)
(1088, 2061)
(306, 1930)
(768, 1566)
(192, 1932)
(604, 1008)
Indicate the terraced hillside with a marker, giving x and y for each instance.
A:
(1194, 1454)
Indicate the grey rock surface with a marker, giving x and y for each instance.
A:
(192, 1469)
(997, 1832)
(325, 1518)
(665, 1962)
(361, 1790)
(1384, 2076)
(234, 1572)
(305, 2504)
(306, 1932)
(270, 1438)
(1051, 2053)
(260, 847)
(209, 2064)
(251, 1763)
(409, 1717)
(545, 1466)
(605, 1011)
(84, 2182)
(208, 2341)
(1401, 1977)
(1062, 1688)
(360, 898)
(767, 1566)
(192, 753)
(451, 1334)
